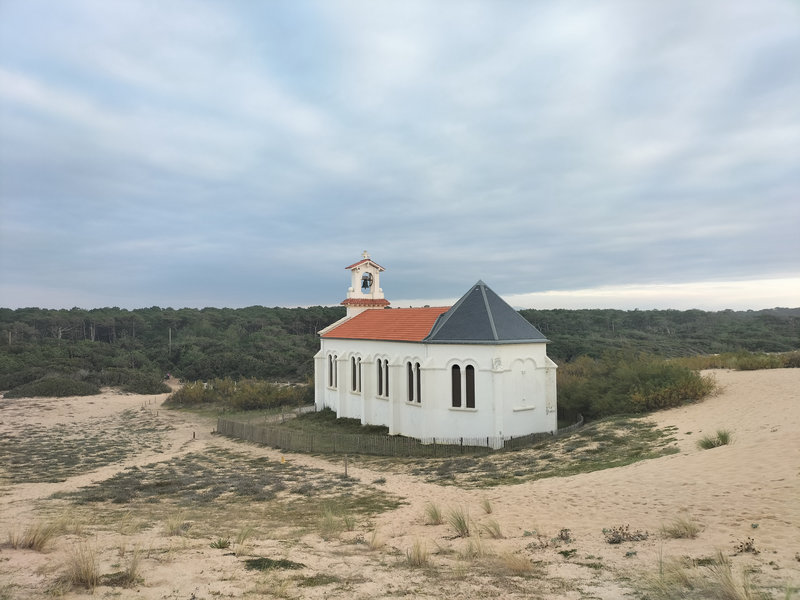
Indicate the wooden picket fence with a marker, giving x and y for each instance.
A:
(379, 445)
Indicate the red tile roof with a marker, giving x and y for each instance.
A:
(393, 324)
(365, 260)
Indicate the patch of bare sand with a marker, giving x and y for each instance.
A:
(749, 489)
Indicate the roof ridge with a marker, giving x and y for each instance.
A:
(481, 316)
(445, 316)
(482, 287)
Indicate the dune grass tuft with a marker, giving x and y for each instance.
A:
(418, 555)
(486, 505)
(716, 581)
(681, 528)
(723, 437)
(330, 526)
(176, 525)
(375, 542)
(36, 536)
(433, 514)
(81, 567)
(515, 564)
(492, 528)
(127, 577)
(458, 519)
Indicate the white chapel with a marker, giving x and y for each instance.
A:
(476, 369)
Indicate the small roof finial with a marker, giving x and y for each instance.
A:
(365, 254)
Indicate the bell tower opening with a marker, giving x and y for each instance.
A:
(365, 290)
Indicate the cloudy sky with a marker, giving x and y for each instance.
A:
(616, 153)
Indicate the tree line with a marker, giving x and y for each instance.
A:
(67, 352)
(665, 333)
(113, 345)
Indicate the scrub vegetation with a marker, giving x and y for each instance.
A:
(47, 352)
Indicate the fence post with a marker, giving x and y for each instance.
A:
(462, 445)
(434, 447)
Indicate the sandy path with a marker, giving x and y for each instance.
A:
(750, 488)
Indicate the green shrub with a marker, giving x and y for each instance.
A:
(755, 361)
(20, 377)
(741, 361)
(54, 387)
(145, 383)
(247, 394)
(791, 360)
(620, 383)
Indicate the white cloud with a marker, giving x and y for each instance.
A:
(709, 295)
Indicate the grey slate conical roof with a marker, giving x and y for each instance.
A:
(482, 317)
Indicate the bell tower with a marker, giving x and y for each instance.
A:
(365, 286)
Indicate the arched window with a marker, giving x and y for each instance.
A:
(470, 377)
(456, 385)
(418, 379)
(386, 378)
(358, 380)
(353, 373)
(333, 376)
(414, 382)
(335, 370)
(463, 380)
(380, 377)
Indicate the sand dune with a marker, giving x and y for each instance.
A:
(748, 489)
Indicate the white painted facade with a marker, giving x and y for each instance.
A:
(498, 389)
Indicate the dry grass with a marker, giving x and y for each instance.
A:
(486, 505)
(475, 548)
(375, 542)
(458, 519)
(716, 581)
(349, 521)
(81, 567)
(515, 564)
(433, 514)
(681, 528)
(129, 576)
(418, 555)
(176, 524)
(492, 528)
(36, 536)
(242, 536)
(330, 526)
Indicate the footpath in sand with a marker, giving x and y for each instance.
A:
(748, 489)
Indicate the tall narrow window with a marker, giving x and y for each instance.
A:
(418, 380)
(335, 371)
(456, 385)
(386, 378)
(330, 370)
(380, 377)
(359, 374)
(410, 377)
(470, 377)
(353, 374)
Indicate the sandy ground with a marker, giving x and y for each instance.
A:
(748, 489)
